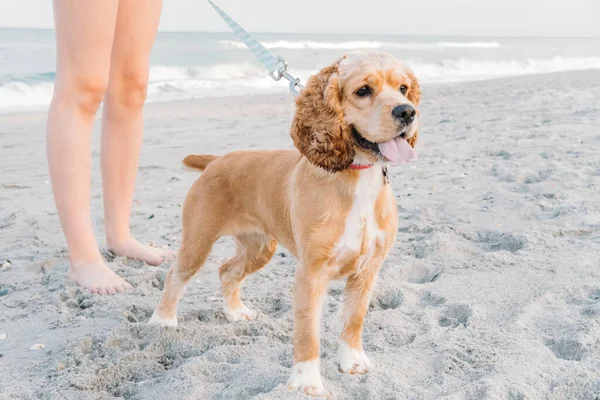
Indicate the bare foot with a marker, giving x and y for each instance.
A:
(133, 249)
(97, 277)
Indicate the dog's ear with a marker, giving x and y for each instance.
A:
(414, 95)
(318, 128)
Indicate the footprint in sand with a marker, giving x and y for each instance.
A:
(556, 212)
(566, 349)
(432, 300)
(500, 153)
(135, 313)
(422, 274)
(455, 315)
(390, 299)
(492, 241)
(76, 299)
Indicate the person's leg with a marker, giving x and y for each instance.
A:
(84, 37)
(137, 22)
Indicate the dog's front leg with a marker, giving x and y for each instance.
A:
(309, 289)
(357, 295)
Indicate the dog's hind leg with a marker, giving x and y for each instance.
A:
(254, 251)
(177, 279)
(198, 237)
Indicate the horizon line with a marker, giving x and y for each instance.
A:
(339, 33)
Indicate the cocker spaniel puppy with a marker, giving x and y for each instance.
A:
(328, 202)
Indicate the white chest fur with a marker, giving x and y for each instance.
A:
(361, 222)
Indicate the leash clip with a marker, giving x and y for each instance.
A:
(281, 69)
(281, 72)
(295, 85)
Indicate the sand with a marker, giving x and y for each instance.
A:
(491, 292)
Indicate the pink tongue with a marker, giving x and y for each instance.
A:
(398, 151)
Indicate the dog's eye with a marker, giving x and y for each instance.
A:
(403, 89)
(363, 91)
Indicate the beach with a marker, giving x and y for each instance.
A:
(492, 290)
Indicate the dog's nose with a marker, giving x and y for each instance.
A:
(404, 112)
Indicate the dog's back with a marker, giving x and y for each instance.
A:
(248, 190)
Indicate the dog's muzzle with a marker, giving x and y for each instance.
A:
(373, 147)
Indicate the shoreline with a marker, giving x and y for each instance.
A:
(277, 92)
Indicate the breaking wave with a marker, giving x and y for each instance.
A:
(361, 44)
(173, 83)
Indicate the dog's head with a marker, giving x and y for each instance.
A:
(362, 107)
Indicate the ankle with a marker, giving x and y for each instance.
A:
(78, 260)
(118, 241)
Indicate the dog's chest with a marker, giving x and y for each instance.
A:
(362, 233)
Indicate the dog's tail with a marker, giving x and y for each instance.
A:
(198, 161)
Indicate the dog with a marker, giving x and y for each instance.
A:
(328, 201)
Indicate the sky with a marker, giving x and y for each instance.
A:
(547, 18)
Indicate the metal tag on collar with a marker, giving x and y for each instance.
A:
(275, 65)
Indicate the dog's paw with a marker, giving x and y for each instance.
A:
(157, 320)
(240, 314)
(353, 361)
(306, 377)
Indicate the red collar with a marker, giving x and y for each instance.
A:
(360, 166)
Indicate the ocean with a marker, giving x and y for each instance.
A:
(200, 65)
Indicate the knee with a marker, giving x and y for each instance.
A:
(86, 93)
(129, 88)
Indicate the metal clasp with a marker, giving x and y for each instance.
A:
(281, 72)
(295, 85)
(281, 68)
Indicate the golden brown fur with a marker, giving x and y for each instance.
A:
(318, 128)
(337, 222)
(198, 162)
(414, 95)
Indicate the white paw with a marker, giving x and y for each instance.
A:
(306, 377)
(157, 320)
(243, 313)
(353, 361)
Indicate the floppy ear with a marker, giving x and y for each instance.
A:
(318, 128)
(414, 95)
